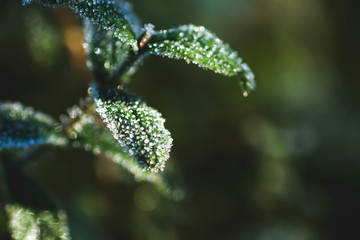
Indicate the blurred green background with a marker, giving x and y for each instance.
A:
(283, 163)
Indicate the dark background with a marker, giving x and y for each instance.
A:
(283, 163)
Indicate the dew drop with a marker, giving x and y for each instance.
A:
(90, 91)
(107, 64)
(85, 45)
(97, 51)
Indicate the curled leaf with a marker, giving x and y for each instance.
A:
(199, 46)
(138, 128)
(22, 127)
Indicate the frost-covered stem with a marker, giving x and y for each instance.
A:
(118, 75)
(123, 72)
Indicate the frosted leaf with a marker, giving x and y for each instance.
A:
(48, 3)
(246, 80)
(105, 52)
(112, 15)
(199, 46)
(138, 128)
(22, 127)
(94, 137)
(26, 223)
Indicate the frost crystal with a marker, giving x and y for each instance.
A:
(105, 52)
(199, 46)
(246, 79)
(21, 127)
(25, 223)
(111, 15)
(138, 128)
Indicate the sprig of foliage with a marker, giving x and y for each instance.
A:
(112, 121)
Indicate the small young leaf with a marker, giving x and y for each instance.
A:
(105, 52)
(112, 15)
(27, 223)
(197, 45)
(138, 128)
(47, 3)
(22, 127)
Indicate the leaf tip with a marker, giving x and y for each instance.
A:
(246, 79)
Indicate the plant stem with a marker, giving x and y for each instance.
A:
(127, 69)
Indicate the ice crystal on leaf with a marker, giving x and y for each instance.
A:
(105, 52)
(27, 223)
(22, 127)
(114, 16)
(94, 137)
(199, 46)
(138, 128)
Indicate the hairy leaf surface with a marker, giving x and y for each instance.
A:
(112, 15)
(138, 128)
(94, 137)
(32, 213)
(105, 52)
(199, 46)
(22, 127)
(27, 223)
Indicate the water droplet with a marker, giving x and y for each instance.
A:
(90, 90)
(107, 64)
(97, 51)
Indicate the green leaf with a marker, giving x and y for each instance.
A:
(22, 127)
(199, 46)
(105, 52)
(138, 128)
(94, 137)
(32, 213)
(114, 16)
(26, 223)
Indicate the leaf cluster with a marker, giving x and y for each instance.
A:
(111, 120)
